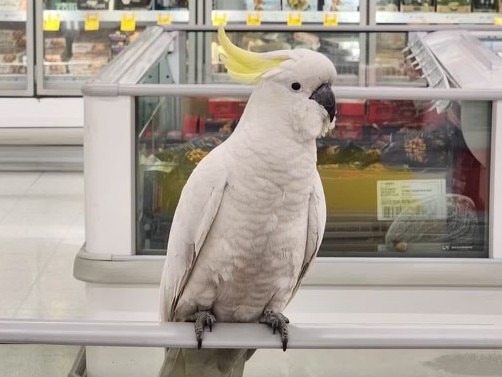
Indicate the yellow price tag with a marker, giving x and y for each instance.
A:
(330, 19)
(253, 19)
(497, 21)
(164, 19)
(91, 22)
(219, 18)
(52, 22)
(128, 22)
(295, 19)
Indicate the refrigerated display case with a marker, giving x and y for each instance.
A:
(78, 38)
(405, 175)
(486, 12)
(16, 48)
(292, 12)
(409, 176)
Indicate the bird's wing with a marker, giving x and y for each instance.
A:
(315, 228)
(197, 208)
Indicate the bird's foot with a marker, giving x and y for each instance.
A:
(202, 319)
(278, 322)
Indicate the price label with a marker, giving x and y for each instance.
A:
(164, 19)
(91, 22)
(497, 21)
(253, 19)
(52, 22)
(330, 19)
(294, 19)
(128, 22)
(219, 18)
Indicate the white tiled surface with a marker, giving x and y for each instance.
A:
(41, 230)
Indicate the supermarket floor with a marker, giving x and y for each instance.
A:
(41, 230)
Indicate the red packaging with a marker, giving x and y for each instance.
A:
(352, 108)
(380, 111)
(226, 108)
(193, 125)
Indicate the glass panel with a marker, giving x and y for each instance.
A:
(13, 43)
(81, 37)
(437, 11)
(492, 40)
(344, 49)
(278, 11)
(361, 59)
(62, 361)
(401, 179)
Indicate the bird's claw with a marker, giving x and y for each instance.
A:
(202, 319)
(278, 322)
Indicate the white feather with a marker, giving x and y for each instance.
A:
(251, 217)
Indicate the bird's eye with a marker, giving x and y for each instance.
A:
(296, 86)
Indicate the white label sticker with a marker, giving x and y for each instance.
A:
(395, 196)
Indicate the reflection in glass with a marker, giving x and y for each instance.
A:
(343, 49)
(400, 179)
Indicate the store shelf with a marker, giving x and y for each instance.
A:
(178, 16)
(14, 16)
(282, 16)
(436, 18)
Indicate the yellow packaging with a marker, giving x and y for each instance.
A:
(353, 191)
(417, 8)
(455, 6)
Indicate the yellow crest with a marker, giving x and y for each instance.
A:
(242, 65)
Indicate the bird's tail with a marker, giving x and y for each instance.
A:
(204, 363)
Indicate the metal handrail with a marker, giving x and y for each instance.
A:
(239, 335)
(346, 92)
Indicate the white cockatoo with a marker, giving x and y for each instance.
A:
(251, 216)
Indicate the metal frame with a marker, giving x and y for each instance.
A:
(250, 335)
(97, 88)
(325, 272)
(110, 204)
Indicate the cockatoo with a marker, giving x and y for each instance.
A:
(251, 216)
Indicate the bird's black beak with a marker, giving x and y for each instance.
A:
(325, 97)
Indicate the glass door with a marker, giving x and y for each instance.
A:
(80, 37)
(16, 48)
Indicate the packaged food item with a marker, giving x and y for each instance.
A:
(299, 5)
(454, 6)
(387, 5)
(12, 5)
(263, 4)
(486, 6)
(93, 4)
(54, 64)
(134, 4)
(65, 5)
(12, 64)
(97, 47)
(418, 6)
(95, 43)
(169, 4)
(12, 41)
(391, 41)
(341, 5)
(87, 64)
(55, 43)
(55, 55)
